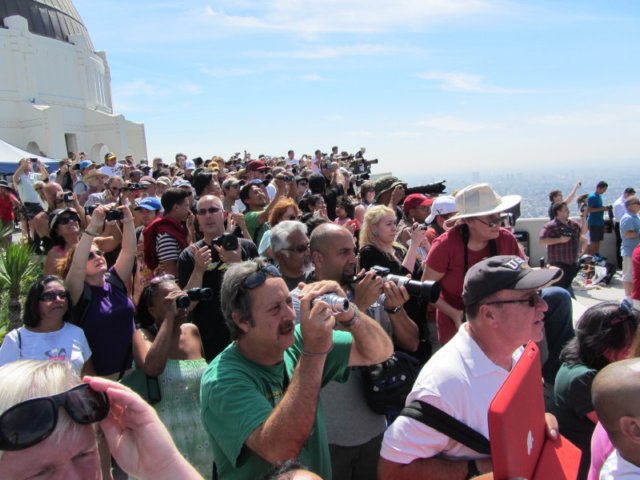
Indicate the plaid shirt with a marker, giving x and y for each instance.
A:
(562, 252)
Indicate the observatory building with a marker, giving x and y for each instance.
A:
(55, 89)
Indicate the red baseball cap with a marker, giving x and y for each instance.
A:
(416, 200)
(256, 165)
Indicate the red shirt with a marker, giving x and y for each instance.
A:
(447, 256)
(6, 209)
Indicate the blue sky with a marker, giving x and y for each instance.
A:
(431, 85)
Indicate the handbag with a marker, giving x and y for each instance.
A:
(144, 385)
(387, 384)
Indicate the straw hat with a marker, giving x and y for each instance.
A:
(479, 199)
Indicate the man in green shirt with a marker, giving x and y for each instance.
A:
(259, 397)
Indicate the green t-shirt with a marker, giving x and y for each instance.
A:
(255, 228)
(238, 395)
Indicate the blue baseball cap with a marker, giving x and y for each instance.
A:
(85, 163)
(149, 203)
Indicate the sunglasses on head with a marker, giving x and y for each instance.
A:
(32, 421)
(258, 277)
(51, 296)
(95, 253)
(204, 211)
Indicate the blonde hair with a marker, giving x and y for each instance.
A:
(372, 217)
(26, 379)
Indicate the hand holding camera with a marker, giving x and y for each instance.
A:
(368, 289)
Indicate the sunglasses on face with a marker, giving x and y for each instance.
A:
(204, 211)
(95, 253)
(67, 219)
(258, 277)
(32, 421)
(494, 221)
(51, 296)
(298, 248)
(532, 301)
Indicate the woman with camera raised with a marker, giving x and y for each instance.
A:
(102, 307)
(167, 347)
(379, 248)
(64, 231)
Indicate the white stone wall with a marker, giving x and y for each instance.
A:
(49, 88)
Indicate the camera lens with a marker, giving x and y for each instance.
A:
(183, 301)
(429, 291)
(336, 303)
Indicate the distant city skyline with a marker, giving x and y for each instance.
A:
(425, 85)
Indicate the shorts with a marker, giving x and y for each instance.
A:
(596, 233)
(32, 209)
(627, 269)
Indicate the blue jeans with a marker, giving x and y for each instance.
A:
(558, 326)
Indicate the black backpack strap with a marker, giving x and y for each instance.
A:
(445, 423)
(19, 344)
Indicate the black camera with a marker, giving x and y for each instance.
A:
(428, 290)
(134, 186)
(287, 178)
(360, 178)
(194, 295)
(68, 197)
(114, 215)
(34, 160)
(88, 210)
(227, 241)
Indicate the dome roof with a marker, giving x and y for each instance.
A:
(51, 18)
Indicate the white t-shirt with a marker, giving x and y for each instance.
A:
(616, 467)
(66, 344)
(460, 380)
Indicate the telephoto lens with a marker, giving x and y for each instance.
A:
(336, 303)
(427, 290)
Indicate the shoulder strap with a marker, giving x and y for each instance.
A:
(81, 308)
(19, 344)
(445, 423)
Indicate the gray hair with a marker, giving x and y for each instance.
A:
(234, 297)
(281, 232)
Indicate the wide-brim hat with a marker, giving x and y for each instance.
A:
(480, 199)
(385, 184)
(94, 173)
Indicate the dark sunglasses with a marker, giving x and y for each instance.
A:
(32, 421)
(532, 301)
(51, 296)
(258, 277)
(298, 248)
(66, 219)
(494, 221)
(95, 253)
(204, 211)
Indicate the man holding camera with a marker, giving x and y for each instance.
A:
(354, 431)
(259, 397)
(504, 311)
(561, 236)
(204, 263)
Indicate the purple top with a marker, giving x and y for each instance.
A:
(109, 328)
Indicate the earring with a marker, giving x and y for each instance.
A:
(375, 233)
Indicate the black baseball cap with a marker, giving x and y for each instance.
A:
(504, 272)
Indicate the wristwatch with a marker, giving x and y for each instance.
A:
(393, 310)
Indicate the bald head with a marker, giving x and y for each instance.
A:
(615, 393)
(320, 240)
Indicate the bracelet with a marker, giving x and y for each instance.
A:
(91, 234)
(316, 354)
(391, 311)
(352, 321)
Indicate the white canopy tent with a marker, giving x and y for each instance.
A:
(10, 156)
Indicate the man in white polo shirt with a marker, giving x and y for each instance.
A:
(504, 310)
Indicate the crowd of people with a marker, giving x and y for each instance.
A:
(261, 295)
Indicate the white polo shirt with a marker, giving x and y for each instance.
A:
(460, 380)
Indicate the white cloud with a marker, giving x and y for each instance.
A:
(598, 116)
(313, 77)
(467, 82)
(451, 124)
(337, 51)
(224, 72)
(312, 17)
